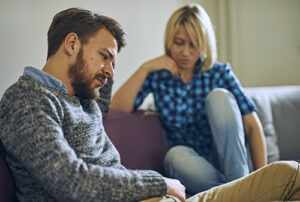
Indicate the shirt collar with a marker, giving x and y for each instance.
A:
(45, 78)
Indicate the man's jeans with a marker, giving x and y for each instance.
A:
(228, 159)
(279, 181)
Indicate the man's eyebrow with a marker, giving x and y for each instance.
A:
(108, 51)
(110, 55)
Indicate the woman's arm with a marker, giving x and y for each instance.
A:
(125, 96)
(256, 137)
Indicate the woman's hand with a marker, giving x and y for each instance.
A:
(163, 62)
(125, 96)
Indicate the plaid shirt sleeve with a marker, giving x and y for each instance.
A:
(143, 92)
(232, 83)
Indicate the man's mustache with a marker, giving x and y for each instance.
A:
(101, 77)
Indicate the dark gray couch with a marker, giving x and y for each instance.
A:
(141, 143)
(279, 112)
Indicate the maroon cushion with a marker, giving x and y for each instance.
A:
(138, 138)
(7, 190)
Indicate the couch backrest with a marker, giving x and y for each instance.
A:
(279, 112)
(138, 138)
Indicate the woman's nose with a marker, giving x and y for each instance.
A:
(186, 50)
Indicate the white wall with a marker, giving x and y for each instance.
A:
(24, 25)
(260, 38)
(269, 42)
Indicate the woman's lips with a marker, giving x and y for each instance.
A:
(184, 61)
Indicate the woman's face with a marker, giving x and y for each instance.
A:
(183, 51)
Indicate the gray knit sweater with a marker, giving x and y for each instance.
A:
(57, 149)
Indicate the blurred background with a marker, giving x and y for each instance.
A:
(260, 38)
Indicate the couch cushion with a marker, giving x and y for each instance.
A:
(286, 114)
(264, 112)
(138, 138)
(284, 102)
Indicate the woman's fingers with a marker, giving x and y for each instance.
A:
(163, 62)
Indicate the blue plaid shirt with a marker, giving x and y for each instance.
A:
(181, 106)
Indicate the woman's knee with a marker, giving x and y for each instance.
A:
(218, 97)
(222, 108)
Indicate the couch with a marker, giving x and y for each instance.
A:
(140, 140)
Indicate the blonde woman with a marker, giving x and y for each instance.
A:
(201, 105)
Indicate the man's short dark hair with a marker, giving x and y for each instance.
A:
(82, 22)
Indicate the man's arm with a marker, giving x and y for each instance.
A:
(37, 142)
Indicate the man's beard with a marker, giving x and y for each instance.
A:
(81, 79)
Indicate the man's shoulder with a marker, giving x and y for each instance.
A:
(28, 97)
(27, 91)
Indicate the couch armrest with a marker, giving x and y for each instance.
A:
(138, 138)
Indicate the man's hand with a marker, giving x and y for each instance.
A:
(175, 188)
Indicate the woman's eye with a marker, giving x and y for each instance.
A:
(179, 43)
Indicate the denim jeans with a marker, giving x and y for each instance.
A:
(228, 159)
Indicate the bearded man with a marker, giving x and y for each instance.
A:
(51, 124)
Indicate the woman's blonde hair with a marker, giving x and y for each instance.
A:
(199, 28)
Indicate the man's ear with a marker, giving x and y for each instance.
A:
(71, 43)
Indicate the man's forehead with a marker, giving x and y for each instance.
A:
(105, 39)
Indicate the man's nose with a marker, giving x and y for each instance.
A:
(109, 70)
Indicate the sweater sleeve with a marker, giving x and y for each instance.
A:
(105, 96)
(38, 143)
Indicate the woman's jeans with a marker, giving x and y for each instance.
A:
(228, 158)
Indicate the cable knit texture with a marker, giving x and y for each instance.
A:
(105, 96)
(58, 150)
